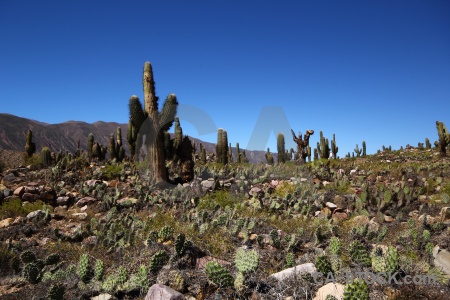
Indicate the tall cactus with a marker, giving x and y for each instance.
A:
(222, 146)
(238, 154)
(202, 154)
(90, 145)
(120, 151)
(444, 138)
(323, 147)
(357, 151)
(152, 123)
(112, 147)
(427, 143)
(269, 157)
(30, 147)
(334, 148)
(363, 148)
(177, 141)
(230, 154)
(46, 156)
(280, 148)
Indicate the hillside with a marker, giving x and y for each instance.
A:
(64, 136)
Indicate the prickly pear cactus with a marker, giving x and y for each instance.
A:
(246, 261)
(290, 260)
(52, 259)
(165, 233)
(99, 270)
(358, 253)
(331, 297)
(218, 274)
(27, 257)
(323, 265)
(180, 244)
(32, 272)
(56, 292)
(158, 260)
(335, 245)
(391, 260)
(83, 270)
(358, 290)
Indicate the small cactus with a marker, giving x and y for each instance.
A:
(246, 261)
(280, 148)
(357, 290)
(99, 270)
(323, 265)
(290, 259)
(27, 257)
(392, 259)
(46, 156)
(165, 233)
(56, 292)
(52, 259)
(335, 245)
(158, 260)
(218, 274)
(180, 244)
(358, 253)
(32, 272)
(83, 269)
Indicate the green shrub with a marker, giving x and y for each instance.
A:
(14, 208)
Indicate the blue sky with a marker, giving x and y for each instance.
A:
(377, 71)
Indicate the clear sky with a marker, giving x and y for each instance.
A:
(377, 71)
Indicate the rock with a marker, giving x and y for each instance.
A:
(298, 270)
(254, 190)
(325, 183)
(430, 220)
(353, 172)
(128, 200)
(19, 191)
(6, 222)
(91, 240)
(445, 214)
(360, 220)
(37, 215)
(162, 292)
(331, 205)
(8, 179)
(31, 190)
(80, 216)
(442, 259)
(30, 197)
(333, 289)
(207, 184)
(86, 200)
(103, 296)
(339, 216)
(388, 219)
(62, 200)
(374, 225)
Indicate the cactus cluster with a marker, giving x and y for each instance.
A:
(83, 270)
(116, 150)
(165, 233)
(323, 147)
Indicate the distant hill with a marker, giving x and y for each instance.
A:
(65, 136)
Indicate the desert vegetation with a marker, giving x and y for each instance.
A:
(170, 217)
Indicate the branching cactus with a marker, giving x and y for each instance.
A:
(280, 148)
(30, 147)
(152, 123)
(444, 138)
(323, 147)
(357, 151)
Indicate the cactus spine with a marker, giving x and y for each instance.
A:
(280, 148)
(444, 138)
(30, 147)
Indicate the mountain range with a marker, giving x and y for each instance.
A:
(65, 136)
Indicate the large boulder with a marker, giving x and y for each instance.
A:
(303, 269)
(332, 289)
(162, 292)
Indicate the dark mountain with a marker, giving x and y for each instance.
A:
(65, 136)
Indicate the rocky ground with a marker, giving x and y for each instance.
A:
(82, 230)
